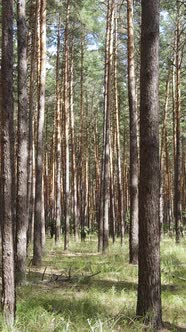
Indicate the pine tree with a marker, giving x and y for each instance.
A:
(7, 165)
(149, 283)
(22, 152)
(37, 254)
(133, 236)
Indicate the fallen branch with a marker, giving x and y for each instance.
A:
(43, 275)
(69, 278)
(92, 275)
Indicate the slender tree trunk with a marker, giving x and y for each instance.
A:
(174, 101)
(22, 153)
(43, 235)
(177, 171)
(105, 173)
(112, 214)
(7, 165)
(162, 155)
(133, 237)
(74, 168)
(37, 254)
(118, 150)
(30, 186)
(82, 145)
(52, 202)
(97, 177)
(125, 181)
(149, 283)
(66, 110)
(58, 147)
(169, 185)
(46, 175)
(86, 185)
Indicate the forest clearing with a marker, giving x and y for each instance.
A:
(93, 165)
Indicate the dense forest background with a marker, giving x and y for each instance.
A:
(93, 147)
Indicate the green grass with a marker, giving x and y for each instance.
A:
(101, 303)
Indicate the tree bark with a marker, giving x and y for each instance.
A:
(58, 146)
(149, 283)
(37, 253)
(7, 165)
(118, 150)
(105, 172)
(162, 155)
(22, 152)
(177, 165)
(30, 185)
(133, 237)
(82, 129)
(74, 164)
(67, 119)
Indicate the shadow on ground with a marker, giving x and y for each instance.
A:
(173, 327)
(99, 284)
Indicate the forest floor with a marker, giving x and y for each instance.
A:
(82, 290)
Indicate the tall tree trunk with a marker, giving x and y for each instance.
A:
(82, 127)
(149, 283)
(105, 173)
(52, 202)
(112, 213)
(7, 165)
(37, 253)
(66, 111)
(86, 182)
(22, 153)
(97, 176)
(133, 237)
(162, 155)
(74, 168)
(169, 186)
(30, 185)
(118, 150)
(43, 234)
(58, 146)
(177, 171)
